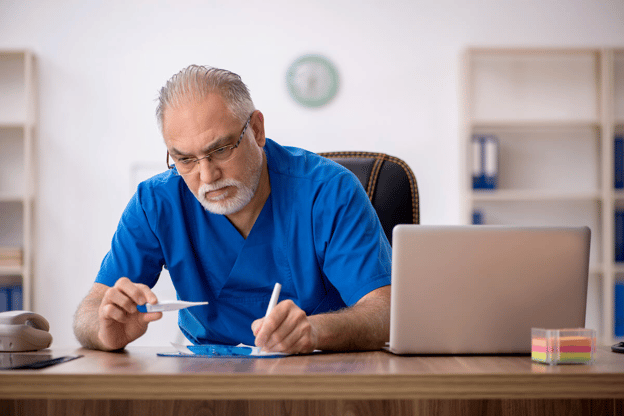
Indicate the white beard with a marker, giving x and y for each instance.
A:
(226, 203)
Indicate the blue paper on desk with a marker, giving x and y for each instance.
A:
(218, 350)
(221, 351)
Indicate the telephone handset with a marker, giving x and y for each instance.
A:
(23, 331)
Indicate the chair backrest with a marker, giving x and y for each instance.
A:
(389, 183)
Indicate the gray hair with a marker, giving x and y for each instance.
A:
(196, 82)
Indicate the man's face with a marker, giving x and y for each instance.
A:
(194, 129)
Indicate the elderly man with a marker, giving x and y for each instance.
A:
(234, 214)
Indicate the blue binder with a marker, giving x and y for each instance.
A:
(618, 162)
(16, 298)
(10, 298)
(5, 299)
(619, 310)
(485, 162)
(619, 235)
(477, 217)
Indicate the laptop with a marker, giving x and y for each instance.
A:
(479, 289)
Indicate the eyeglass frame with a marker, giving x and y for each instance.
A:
(208, 156)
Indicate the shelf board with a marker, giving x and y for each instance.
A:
(514, 52)
(533, 195)
(12, 124)
(12, 197)
(13, 52)
(11, 270)
(534, 124)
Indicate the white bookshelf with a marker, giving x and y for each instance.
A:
(17, 194)
(616, 106)
(555, 113)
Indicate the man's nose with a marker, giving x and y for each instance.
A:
(209, 171)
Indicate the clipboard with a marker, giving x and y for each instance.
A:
(221, 351)
(21, 361)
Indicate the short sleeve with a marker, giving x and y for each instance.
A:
(135, 250)
(352, 248)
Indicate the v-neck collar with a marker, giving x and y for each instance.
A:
(245, 247)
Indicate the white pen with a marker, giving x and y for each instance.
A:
(168, 305)
(274, 297)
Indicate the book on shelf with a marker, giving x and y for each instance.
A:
(619, 309)
(10, 256)
(10, 262)
(10, 298)
(477, 217)
(618, 162)
(619, 235)
(484, 162)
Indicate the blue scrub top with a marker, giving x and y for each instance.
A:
(317, 235)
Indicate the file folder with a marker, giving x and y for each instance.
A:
(485, 162)
(619, 310)
(16, 298)
(5, 299)
(477, 217)
(618, 162)
(10, 298)
(619, 235)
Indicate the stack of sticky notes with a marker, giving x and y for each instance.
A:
(563, 346)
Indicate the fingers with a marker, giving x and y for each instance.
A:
(121, 300)
(119, 320)
(286, 329)
(151, 316)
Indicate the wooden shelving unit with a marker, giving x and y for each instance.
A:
(17, 193)
(555, 113)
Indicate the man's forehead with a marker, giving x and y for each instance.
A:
(193, 117)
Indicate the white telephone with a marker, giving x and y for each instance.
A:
(23, 331)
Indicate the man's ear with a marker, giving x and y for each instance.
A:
(257, 126)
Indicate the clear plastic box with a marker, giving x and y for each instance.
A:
(563, 346)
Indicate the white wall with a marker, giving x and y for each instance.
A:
(102, 63)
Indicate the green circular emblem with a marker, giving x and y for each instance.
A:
(312, 80)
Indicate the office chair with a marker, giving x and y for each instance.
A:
(389, 183)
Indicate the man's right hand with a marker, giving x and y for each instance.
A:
(119, 320)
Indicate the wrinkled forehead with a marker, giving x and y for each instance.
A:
(210, 110)
(193, 98)
(196, 126)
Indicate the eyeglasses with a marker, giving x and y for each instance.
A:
(189, 166)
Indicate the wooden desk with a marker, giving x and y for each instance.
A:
(137, 382)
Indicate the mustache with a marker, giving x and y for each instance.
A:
(208, 187)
